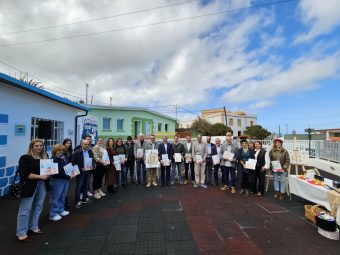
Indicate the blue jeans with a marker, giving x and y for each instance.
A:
(280, 185)
(179, 166)
(140, 164)
(121, 175)
(59, 188)
(82, 185)
(225, 176)
(30, 209)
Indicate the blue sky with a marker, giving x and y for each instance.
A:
(281, 62)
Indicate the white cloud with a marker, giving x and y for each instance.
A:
(321, 16)
(260, 104)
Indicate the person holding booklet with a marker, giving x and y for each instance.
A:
(217, 158)
(121, 176)
(177, 160)
(139, 150)
(68, 157)
(243, 155)
(211, 148)
(262, 164)
(130, 162)
(84, 159)
(188, 161)
(280, 163)
(165, 154)
(152, 147)
(59, 185)
(101, 157)
(34, 187)
(110, 172)
(199, 155)
(228, 165)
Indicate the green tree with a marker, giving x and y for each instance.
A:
(201, 126)
(219, 129)
(257, 131)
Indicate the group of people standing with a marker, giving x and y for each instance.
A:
(201, 160)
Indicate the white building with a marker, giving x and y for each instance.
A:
(28, 112)
(237, 121)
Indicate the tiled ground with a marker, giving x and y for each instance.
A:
(180, 220)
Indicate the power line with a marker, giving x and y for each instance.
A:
(147, 25)
(96, 19)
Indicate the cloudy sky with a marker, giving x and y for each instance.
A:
(281, 61)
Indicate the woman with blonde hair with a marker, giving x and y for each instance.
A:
(98, 154)
(33, 192)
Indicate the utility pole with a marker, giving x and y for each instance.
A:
(110, 101)
(176, 112)
(225, 116)
(286, 128)
(91, 99)
(279, 130)
(87, 91)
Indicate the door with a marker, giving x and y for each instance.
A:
(137, 128)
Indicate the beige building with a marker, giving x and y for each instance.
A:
(237, 121)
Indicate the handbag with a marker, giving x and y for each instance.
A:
(16, 188)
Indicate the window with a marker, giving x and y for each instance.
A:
(147, 128)
(106, 123)
(251, 123)
(159, 127)
(51, 131)
(120, 124)
(238, 122)
(231, 122)
(166, 127)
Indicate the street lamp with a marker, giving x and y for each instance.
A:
(309, 131)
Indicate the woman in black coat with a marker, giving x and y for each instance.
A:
(34, 187)
(262, 164)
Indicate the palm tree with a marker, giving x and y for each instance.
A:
(24, 78)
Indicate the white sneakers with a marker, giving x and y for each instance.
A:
(64, 213)
(55, 218)
(148, 185)
(89, 194)
(154, 183)
(97, 195)
(102, 193)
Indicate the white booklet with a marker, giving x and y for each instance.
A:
(88, 164)
(151, 159)
(228, 155)
(250, 164)
(47, 167)
(116, 162)
(140, 153)
(106, 158)
(276, 166)
(188, 158)
(178, 157)
(199, 157)
(165, 160)
(216, 159)
(121, 158)
(71, 170)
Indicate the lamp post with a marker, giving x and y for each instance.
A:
(309, 131)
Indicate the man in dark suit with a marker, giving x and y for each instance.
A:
(165, 149)
(82, 180)
(211, 150)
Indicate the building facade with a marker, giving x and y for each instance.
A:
(27, 112)
(237, 121)
(120, 122)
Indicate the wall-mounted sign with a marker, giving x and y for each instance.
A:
(19, 130)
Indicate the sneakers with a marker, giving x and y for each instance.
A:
(242, 192)
(96, 195)
(101, 193)
(78, 205)
(55, 218)
(195, 185)
(247, 192)
(233, 190)
(154, 183)
(186, 182)
(148, 185)
(87, 201)
(89, 194)
(64, 213)
(204, 186)
(225, 187)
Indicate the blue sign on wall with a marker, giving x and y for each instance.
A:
(19, 130)
(4, 118)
